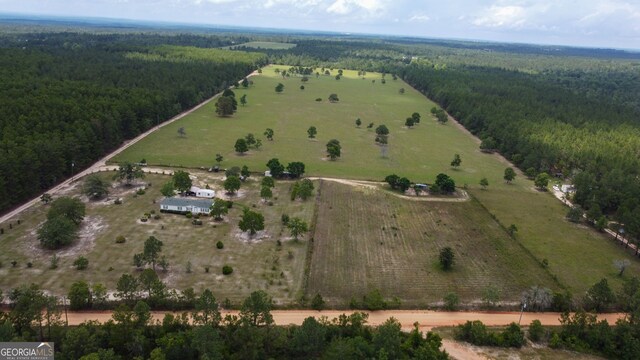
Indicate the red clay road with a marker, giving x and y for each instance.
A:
(426, 319)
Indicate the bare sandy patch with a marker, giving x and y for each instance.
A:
(245, 238)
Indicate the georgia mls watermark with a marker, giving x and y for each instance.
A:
(26, 351)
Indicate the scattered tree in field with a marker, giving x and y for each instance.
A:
(446, 258)
(168, 189)
(243, 100)
(81, 263)
(541, 181)
(269, 134)
(484, 183)
(241, 146)
(456, 161)
(244, 172)
(70, 208)
(232, 171)
(392, 180)
(127, 172)
(297, 227)
(219, 158)
(401, 91)
(509, 175)
(333, 98)
(451, 301)
(381, 130)
(182, 132)
(57, 232)
(441, 116)
(181, 181)
(358, 122)
(46, 198)
(296, 169)
(275, 167)
(224, 106)
(250, 139)
(338, 77)
(258, 144)
(245, 83)
(302, 189)
(219, 208)
(370, 126)
(95, 187)
(409, 122)
(251, 221)
(301, 87)
(512, 229)
(333, 149)
(404, 184)
(232, 184)
(266, 193)
(531, 173)
(268, 182)
(79, 296)
(151, 251)
(127, 287)
(445, 183)
(279, 88)
(312, 131)
(416, 118)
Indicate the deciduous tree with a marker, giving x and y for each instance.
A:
(251, 221)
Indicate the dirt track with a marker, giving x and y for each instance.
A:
(426, 319)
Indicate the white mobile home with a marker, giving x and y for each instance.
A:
(202, 193)
(183, 206)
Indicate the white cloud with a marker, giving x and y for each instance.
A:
(514, 15)
(419, 18)
(344, 7)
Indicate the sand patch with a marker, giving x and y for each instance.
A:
(245, 238)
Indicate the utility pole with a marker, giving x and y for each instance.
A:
(524, 306)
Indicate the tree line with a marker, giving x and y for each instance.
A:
(67, 99)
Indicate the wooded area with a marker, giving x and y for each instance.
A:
(69, 98)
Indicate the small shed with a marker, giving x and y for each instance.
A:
(183, 206)
(267, 173)
(567, 189)
(202, 193)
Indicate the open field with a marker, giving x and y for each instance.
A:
(366, 239)
(257, 264)
(418, 153)
(264, 45)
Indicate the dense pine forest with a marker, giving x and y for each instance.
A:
(69, 98)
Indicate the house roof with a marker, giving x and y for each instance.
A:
(201, 203)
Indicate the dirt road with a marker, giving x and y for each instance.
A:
(426, 319)
(102, 162)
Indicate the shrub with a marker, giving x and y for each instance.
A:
(227, 270)
(206, 269)
(451, 301)
(285, 219)
(189, 215)
(318, 99)
(140, 192)
(196, 222)
(81, 263)
(536, 331)
(121, 239)
(220, 245)
(29, 264)
(156, 216)
(14, 263)
(317, 303)
(118, 201)
(143, 219)
(229, 204)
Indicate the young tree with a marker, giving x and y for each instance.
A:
(244, 172)
(484, 183)
(542, 181)
(509, 175)
(243, 100)
(241, 146)
(317, 303)
(232, 184)
(219, 158)
(370, 126)
(409, 122)
(392, 180)
(275, 167)
(296, 168)
(250, 139)
(599, 297)
(266, 193)
(268, 182)
(95, 187)
(152, 249)
(416, 118)
(256, 309)
(269, 134)
(127, 287)
(446, 258)
(128, 172)
(575, 214)
(251, 221)
(224, 106)
(245, 83)
(530, 172)
(297, 227)
(404, 184)
(181, 181)
(358, 122)
(302, 189)
(334, 149)
(81, 263)
(456, 161)
(57, 232)
(207, 310)
(79, 296)
(333, 98)
(279, 88)
(46, 198)
(218, 209)
(401, 91)
(182, 132)
(167, 189)
(382, 130)
(312, 131)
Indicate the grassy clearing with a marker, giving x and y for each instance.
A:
(366, 239)
(264, 45)
(257, 264)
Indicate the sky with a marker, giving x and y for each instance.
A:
(590, 23)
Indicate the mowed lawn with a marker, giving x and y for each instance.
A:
(367, 239)
(419, 153)
(257, 264)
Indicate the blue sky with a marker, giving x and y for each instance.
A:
(594, 23)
